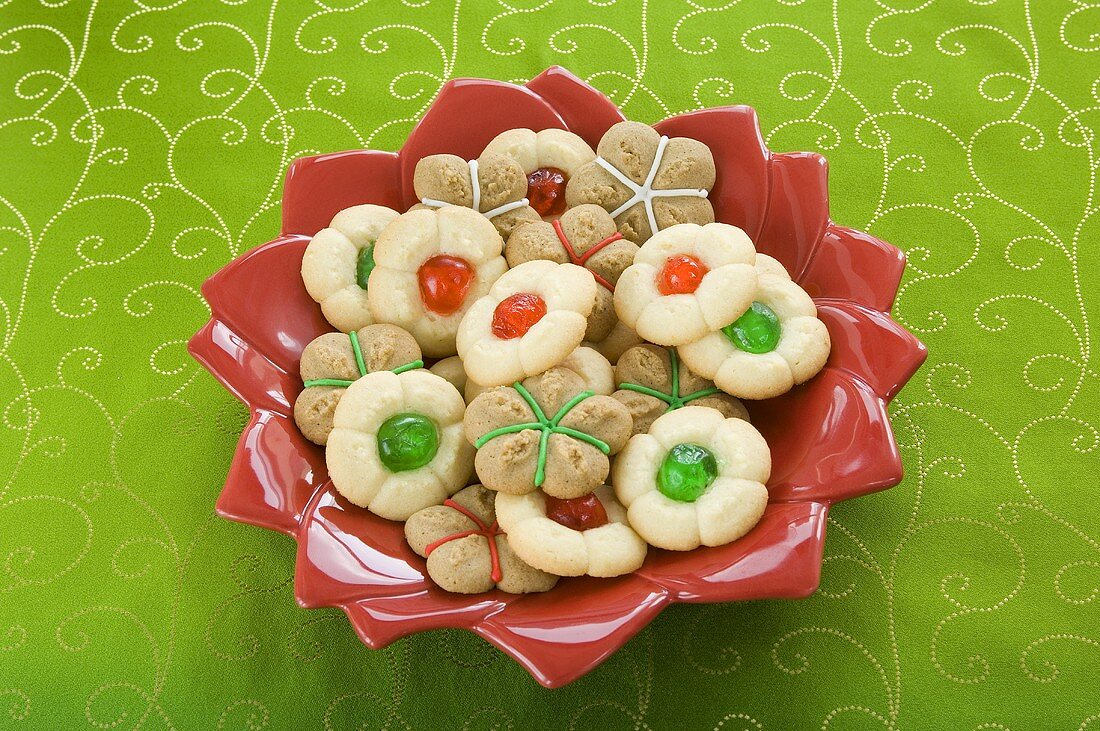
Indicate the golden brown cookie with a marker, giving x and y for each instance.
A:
(493, 185)
(652, 380)
(648, 182)
(548, 432)
(331, 362)
(455, 539)
(585, 236)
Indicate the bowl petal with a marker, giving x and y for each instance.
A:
(871, 346)
(317, 188)
(852, 265)
(585, 111)
(798, 209)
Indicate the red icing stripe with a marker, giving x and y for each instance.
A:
(489, 531)
(580, 260)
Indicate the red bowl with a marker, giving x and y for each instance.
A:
(830, 438)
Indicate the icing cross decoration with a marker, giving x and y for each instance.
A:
(673, 399)
(492, 212)
(547, 427)
(489, 531)
(360, 364)
(581, 259)
(645, 193)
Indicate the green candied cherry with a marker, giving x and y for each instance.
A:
(686, 472)
(407, 441)
(364, 265)
(756, 331)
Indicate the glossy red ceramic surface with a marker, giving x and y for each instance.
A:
(830, 438)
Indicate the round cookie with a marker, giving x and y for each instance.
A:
(466, 552)
(397, 444)
(431, 265)
(549, 158)
(697, 478)
(492, 185)
(338, 261)
(588, 535)
(594, 370)
(585, 236)
(652, 381)
(547, 432)
(687, 281)
(530, 320)
(778, 343)
(331, 362)
(451, 369)
(647, 181)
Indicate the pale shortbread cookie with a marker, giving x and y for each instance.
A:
(723, 293)
(331, 265)
(451, 369)
(329, 364)
(395, 286)
(612, 549)
(595, 371)
(728, 507)
(568, 294)
(646, 181)
(800, 353)
(355, 453)
(547, 148)
(454, 539)
(493, 185)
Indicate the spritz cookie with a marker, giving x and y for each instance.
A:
(338, 262)
(586, 535)
(652, 380)
(493, 185)
(466, 552)
(549, 158)
(530, 320)
(397, 444)
(596, 373)
(331, 362)
(431, 265)
(686, 281)
(585, 236)
(697, 478)
(646, 181)
(547, 432)
(778, 343)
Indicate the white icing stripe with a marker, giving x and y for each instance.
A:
(645, 193)
(476, 183)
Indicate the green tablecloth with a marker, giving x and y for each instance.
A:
(139, 156)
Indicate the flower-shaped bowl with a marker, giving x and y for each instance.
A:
(830, 438)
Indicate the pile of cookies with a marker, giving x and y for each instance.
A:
(540, 365)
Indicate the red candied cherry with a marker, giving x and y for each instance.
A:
(579, 513)
(681, 274)
(517, 314)
(546, 191)
(444, 281)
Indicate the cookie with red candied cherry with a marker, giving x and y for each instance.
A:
(430, 267)
(588, 535)
(586, 236)
(549, 158)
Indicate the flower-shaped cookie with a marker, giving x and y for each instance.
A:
(338, 263)
(397, 444)
(585, 535)
(547, 432)
(431, 265)
(466, 551)
(533, 317)
(549, 158)
(647, 181)
(652, 381)
(585, 236)
(493, 185)
(686, 281)
(778, 343)
(331, 362)
(697, 478)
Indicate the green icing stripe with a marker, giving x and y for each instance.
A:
(546, 427)
(673, 399)
(361, 364)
